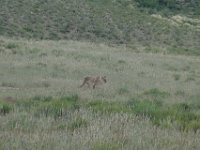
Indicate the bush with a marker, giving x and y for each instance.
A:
(194, 125)
(149, 3)
(5, 108)
(182, 107)
(162, 5)
(11, 46)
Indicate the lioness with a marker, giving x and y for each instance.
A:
(93, 81)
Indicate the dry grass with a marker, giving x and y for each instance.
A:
(56, 68)
(116, 131)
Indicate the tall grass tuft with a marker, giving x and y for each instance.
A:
(5, 108)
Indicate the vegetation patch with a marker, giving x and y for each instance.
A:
(112, 22)
(174, 6)
(194, 125)
(48, 106)
(179, 114)
(8, 84)
(155, 94)
(123, 90)
(106, 146)
(11, 46)
(177, 77)
(108, 107)
(77, 123)
(5, 108)
(184, 51)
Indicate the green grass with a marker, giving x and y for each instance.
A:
(103, 125)
(179, 114)
(77, 123)
(148, 50)
(47, 106)
(195, 126)
(144, 104)
(112, 22)
(5, 108)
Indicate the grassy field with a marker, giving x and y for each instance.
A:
(148, 50)
(151, 100)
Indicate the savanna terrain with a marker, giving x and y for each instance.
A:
(149, 52)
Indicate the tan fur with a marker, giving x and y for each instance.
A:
(93, 81)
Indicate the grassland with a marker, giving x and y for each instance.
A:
(151, 100)
(149, 51)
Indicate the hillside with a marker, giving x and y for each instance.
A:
(147, 49)
(150, 26)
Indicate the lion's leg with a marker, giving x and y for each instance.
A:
(95, 82)
(94, 86)
(88, 84)
(83, 83)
